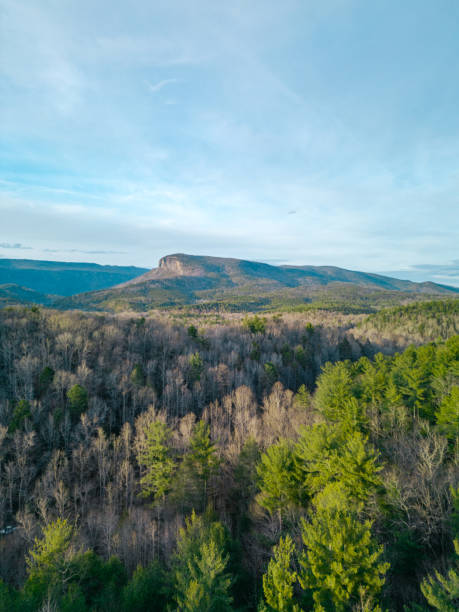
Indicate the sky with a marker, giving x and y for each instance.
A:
(293, 132)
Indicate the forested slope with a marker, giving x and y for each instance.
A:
(149, 463)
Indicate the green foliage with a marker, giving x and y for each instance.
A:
(271, 372)
(192, 331)
(49, 562)
(303, 398)
(145, 592)
(330, 453)
(341, 565)
(276, 478)
(69, 580)
(447, 415)
(99, 582)
(44, 380)
(156, 460)
(77, 397)
(442, 591)
(279, 578)
(426, 320)
(334, 391)
(9, 598)
(199, 465)
(196, 365)
(255, 324)
(21, 412)
(138, 375)
(201, 583)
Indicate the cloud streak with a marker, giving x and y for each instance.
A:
(160, 85)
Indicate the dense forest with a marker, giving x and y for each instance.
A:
(182, 461)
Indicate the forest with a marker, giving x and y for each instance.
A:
(283, 461)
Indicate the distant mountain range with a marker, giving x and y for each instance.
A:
(63, 278)
(203, 282)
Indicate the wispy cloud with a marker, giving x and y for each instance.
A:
(96, 252)
(15, 245)
(158, 86)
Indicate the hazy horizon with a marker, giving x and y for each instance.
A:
(442, 275)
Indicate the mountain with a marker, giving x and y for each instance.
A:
(11, 294)
(63, 278)
(205, 281)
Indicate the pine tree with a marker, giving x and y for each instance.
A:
(442, 592)
(276, 478)
(155, 458)
(201, 581)
(279, 579)
(341, 564)
(325, 454)
(447, 415)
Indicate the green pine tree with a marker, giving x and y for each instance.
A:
(442, 592)
(279, 580)
(201, 582)
(277, 479)
(156, 461)
(341, 565)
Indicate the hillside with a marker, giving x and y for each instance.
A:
(11, 294)
(63, 278)
(235, 284)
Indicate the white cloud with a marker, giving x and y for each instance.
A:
(158, 86)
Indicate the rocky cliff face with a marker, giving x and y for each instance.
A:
(180, 265)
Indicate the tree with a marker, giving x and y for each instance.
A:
(334, 390)
(199, 465)
(154, 456)
(333, 453)
(49, 562)
(21, 412)
(279, 578)
(447, 415)
(442, 592)
(77, 397)
(196, 366)
(255, 324)
(192, 332)
(138, 375)
(201, 583)
(145, 592)
(341, 564)
(44, 380)
(276, 478)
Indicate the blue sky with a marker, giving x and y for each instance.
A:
(289, 132)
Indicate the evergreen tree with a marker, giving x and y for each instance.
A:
(341, 564)
(155, 458)
(442, 592)
(334, 389)
(77, 398)
(145, 592)
(276, 479)
(49, 563)
(330, 453)
(196, 366)
(447, 415)
(138, 375)
(21, 412)
(198, 467)
(201, 582)
(279, 579)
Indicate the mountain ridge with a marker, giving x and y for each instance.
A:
(204, 281)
